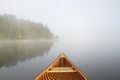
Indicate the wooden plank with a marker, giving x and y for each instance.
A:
(62, 69)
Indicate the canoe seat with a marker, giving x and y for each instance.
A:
(61, 69)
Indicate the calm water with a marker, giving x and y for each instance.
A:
(23, 60)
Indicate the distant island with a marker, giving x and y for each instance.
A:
(12, 28)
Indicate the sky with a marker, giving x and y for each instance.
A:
(84, 20)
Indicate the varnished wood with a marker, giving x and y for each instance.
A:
(61, 69)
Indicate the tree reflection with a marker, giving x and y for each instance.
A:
(12, 52)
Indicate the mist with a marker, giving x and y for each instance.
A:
(88, 33)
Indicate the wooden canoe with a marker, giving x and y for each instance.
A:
(61, 69)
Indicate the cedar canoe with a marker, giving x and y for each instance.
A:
(61, 69)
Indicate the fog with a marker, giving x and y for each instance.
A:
(81, 20)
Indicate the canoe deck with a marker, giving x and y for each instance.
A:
(61, 69)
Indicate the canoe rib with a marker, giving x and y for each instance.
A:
(61, 69)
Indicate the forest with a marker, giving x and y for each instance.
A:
(12, 28)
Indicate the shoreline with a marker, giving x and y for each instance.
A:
(28, 40)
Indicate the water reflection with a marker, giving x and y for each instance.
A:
(13, 51)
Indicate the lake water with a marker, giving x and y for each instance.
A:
(24, 60)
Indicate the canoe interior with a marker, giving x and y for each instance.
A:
(62, 62)
(61, 69)
(61, 76)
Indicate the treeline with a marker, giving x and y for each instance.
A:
(13, 28)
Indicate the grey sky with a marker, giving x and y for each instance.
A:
(83, 19)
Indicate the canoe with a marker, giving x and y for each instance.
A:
(61, 69)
